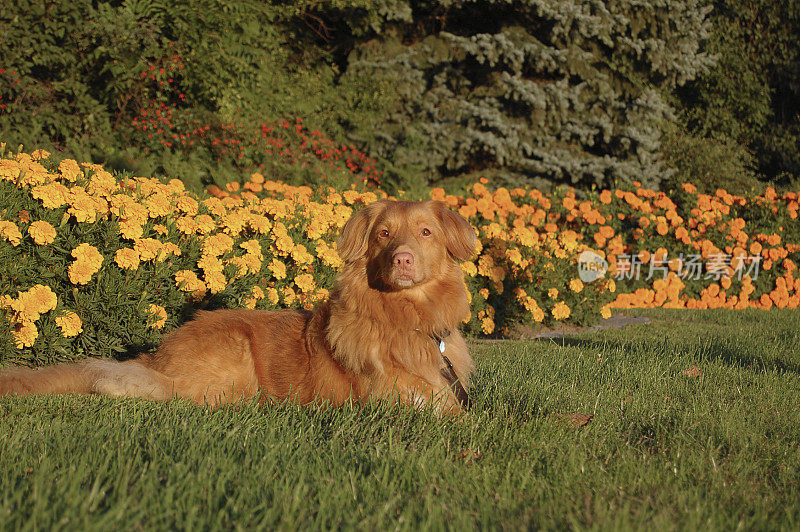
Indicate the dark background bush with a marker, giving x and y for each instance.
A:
(438, 91)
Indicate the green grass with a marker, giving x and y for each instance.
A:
(664, 450)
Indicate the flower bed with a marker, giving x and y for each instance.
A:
(92, 263)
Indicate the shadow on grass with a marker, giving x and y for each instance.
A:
(712, 350)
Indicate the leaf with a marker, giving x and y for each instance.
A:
(469, 456)
(575, 420)
(693, 372)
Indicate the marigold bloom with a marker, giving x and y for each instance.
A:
(127, 258)
(277, 268)
(560, 311)
(70, 324)
(576, 285)
(25, 334)
(305, 282)
(157, 316)
(148, 248)
(42, 232)
(9, 231)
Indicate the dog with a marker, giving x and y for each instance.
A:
(389, 330)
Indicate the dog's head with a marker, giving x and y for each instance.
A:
(404, 243)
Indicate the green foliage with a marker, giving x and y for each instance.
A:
(708, 163)
(752, 97)
(164, 87)
(527, 91)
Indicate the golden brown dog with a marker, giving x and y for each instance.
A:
(388, 330)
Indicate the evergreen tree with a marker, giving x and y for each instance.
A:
(526, 90)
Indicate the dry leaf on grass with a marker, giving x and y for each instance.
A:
(693, 372)
(576, 420)
(468, 456)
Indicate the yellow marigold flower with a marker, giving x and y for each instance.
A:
(187, 205)
(233, 223)
(327, 254)
(205, 224)
(216, 245)
(186, 280)
(469, 268)
(514, 256)
(80, 272)
(42, 232)
(278, 269)
(283, 242)
(484, 293)
(31, 304)
(305, 282)
(552, 293)
(42, 298)
(576, 285)
(25, 334)
(605, 312)
(301, 255)
(158, 316)
(210, 264)
(40, 154)
(560, 311)
(69, 169)
(9, 231)
(273, 296)
(52, 195)
(215, 206)
(127, 258)
(215, 281)
(70, 324)
(487, 325)
(101, 182)
(289, 296)
(87, 262)
(131, 230)
(158, 205)
(9, 170)
(161, 229)
(89, 254)
(186, 225)
(175, 186)
(259, 223)
(148, 248)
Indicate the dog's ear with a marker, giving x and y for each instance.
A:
(459, 235)
(353, 239)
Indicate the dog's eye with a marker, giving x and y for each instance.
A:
(426, 232)
(383, 233)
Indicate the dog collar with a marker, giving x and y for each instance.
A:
(449, 373)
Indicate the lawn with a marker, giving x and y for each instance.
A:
(715, 448)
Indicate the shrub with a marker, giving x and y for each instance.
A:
(92, 263)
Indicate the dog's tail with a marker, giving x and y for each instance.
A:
(61, 378)
(131, 378)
